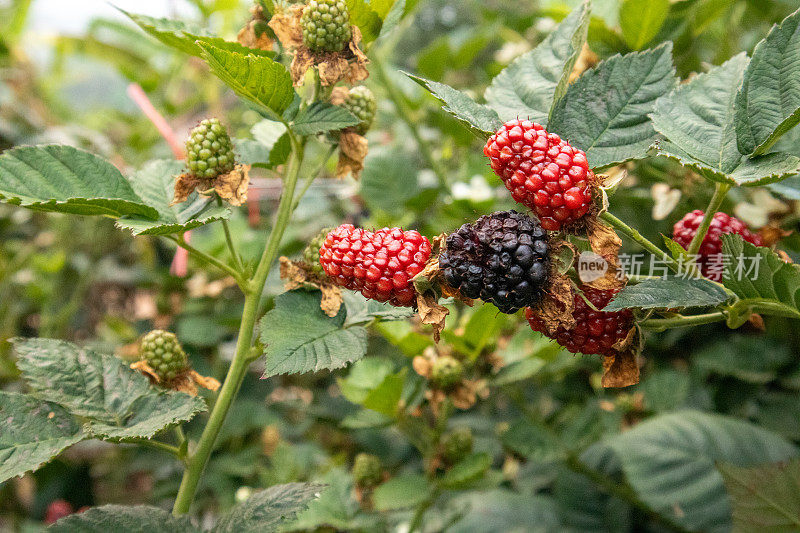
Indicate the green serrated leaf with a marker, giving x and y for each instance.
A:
(765, 498)
(669, 461)
(133, 519)
(768, 102)
(669, 293)
(155, 184)
(393, 17)
(117, 402)
(388, 182)
(605, 111)
(299, 338)
(749, 359)
(32, 432)
(533, 442)
(335, 507)
(67, 180)
(367, 20)
(361, 310)
(466, 471)
(698, 119)
(402, 492)
(255, 78)
(322, 116)
(641, 20)
(184, 37)
(531, 85)
(759, 277)
(385, 398)
(475, 115)
(268, 509)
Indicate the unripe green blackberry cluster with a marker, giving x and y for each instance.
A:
(361, 102)
(311, 253)
(367, 471)
(209, 150)
(164, 354)
(326, 25)
(446, 372)
(456, 445)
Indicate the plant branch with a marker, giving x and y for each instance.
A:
(237, 260)
(405, 113)
(662, 324)
(242, 358)
(641, 240)
(720, 192)
(313, 176)
(154, 444)
(206, 258)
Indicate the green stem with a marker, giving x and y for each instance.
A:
(419, 513)
(661, 324)
(313, 176)
(621, 491)
(206, 258)
(641, 240)
(242, 358)
(237, 261)
(154, 444)
(713, 206)
(405, 113)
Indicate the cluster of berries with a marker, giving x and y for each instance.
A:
(504, 258)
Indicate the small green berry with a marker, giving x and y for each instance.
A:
(326, 25)
(311, 252)
(164, 354)
(456, 445)
(209, 150)
(367, 471)
(446, 372)
(361, 102)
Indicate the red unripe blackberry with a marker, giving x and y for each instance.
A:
(380, 264)
(542, 171)
(502, 258)
(57, 510)
(595, 332)
(710, 258)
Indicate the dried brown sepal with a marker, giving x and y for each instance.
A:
(296, 275)
(620, 370)
(188, 381)
(353, 150)
(605, 242)
(231, 187)
(350, 64)
(285, 22)
(586, 60)
(771, 234)
(555, 308)
(422, 366)
(431, 312)
(247, 35)
(339, 95)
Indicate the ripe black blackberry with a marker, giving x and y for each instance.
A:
(503, 258)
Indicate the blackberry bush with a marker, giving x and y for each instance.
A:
(209, 151)
(380, 264)
(367, 470)
(456, 445)
(326, 25)
(164, 354)
(542, 171)
(503, 258)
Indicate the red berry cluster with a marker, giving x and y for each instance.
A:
(542, 171)
(710, 258)
(379, 264)
(595, 332)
